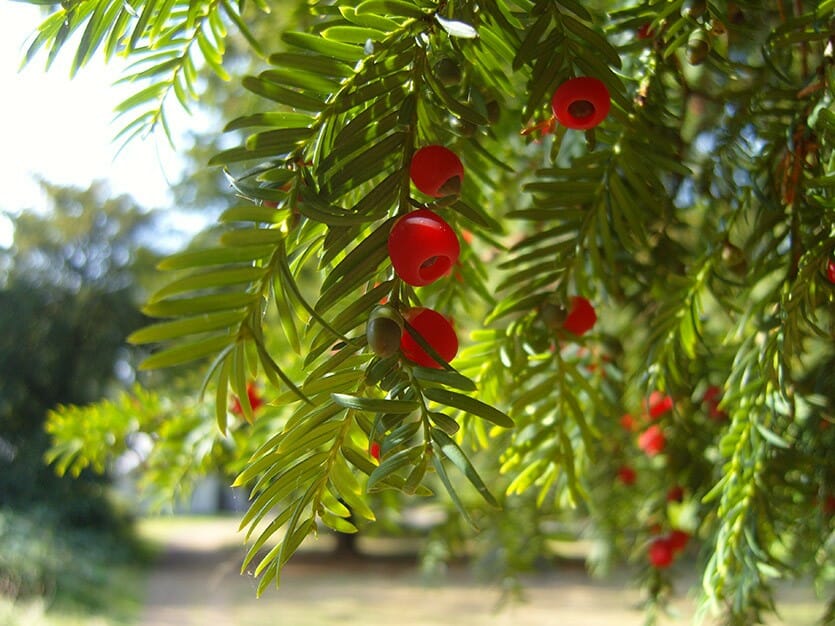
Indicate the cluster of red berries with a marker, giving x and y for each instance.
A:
(422, 247)
(662, 551)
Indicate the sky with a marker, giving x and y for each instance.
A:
(63, 129)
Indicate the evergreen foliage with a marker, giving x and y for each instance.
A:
(698, 218)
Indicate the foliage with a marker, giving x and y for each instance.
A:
(77, 568)
(698, 218)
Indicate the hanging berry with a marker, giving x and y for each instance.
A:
(675, 494)
(830, 271)
(384, 331)
(581, 103)
(581, 316)
(627, 475)
(255, 400)
(652, 441)
(374, 450)
(660, 553)
(436, 331)
(678, 540)
(437, 171)
(422, 247)
(447, 72)
(658, 403)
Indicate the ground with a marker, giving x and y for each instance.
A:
(197, 582)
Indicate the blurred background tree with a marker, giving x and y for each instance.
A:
(69, 292)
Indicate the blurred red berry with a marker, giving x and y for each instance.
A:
(652, 440)
(678, 540)
(627, 475)
(712, 397)
(829, 505)
(645, 31)
(830, 271)
(581, 317)
(660, 553)
(255, 400)
(627, 422)
(675, 494)
(658, 404)
(374, 450)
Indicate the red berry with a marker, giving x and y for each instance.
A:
(830, 271)
(374, 450)
(435, 330)
(255, 400)
(581, 317)
(581, 103)
(437, 171)
(628, 422)
(627, 475)
(658, 404)
(712, 397)
(675, 494)
(652, 440)
(829, 505)
(678, 540)
(645, 31)
(422, 247)
(660, 553)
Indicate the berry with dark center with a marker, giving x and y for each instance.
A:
(652, 440)
(581, 316)
(581, 103)
(422, 247)
(435, 330)
(384, 331)
(437, 171)
(660, 553)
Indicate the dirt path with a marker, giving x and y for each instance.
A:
(197, 582)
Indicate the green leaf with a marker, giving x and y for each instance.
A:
(375, 405)
(214, 256)
(453, 452)
(186, 326)
(199, 305)
(187, 352)
(468, 405)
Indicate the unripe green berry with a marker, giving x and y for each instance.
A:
(734, 259)
(552, 315)
(494, 111)
(698, 47)
(384, 331)
(447, 71)
(693, 8)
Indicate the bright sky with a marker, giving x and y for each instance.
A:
(62, 129)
